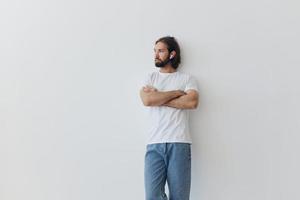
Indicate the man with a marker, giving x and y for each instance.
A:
(168, 95)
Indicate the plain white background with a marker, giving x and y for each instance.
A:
(72, 126)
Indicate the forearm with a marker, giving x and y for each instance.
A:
(156, 98)
(182, 102)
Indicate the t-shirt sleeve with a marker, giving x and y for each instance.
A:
(146, 81)
(192, 84)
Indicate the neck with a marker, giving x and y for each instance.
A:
(167, 69)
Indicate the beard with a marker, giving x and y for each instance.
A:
(161, 64)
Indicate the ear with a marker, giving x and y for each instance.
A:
(172, 54)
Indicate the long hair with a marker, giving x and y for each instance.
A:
(172, 45)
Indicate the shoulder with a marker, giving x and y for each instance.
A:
(149, 78)
(154, 73)
(186, 76)
(148, 75)
(190, 81)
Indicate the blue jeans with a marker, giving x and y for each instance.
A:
(171, 163)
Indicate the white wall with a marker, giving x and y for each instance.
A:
(71, 122)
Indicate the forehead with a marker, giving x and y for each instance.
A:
(160, 45)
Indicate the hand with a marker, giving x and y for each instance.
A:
(149, 88)
(180, 93)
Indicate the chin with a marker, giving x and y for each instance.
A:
(158, 65)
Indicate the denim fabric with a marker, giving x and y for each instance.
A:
(171, 163)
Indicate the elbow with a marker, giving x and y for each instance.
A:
(146, 98)
(147, 102)
(194, 105)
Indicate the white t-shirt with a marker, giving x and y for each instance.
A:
(168, 125)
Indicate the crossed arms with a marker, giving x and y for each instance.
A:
(176, 98)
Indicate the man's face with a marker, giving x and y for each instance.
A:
(161, 54)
